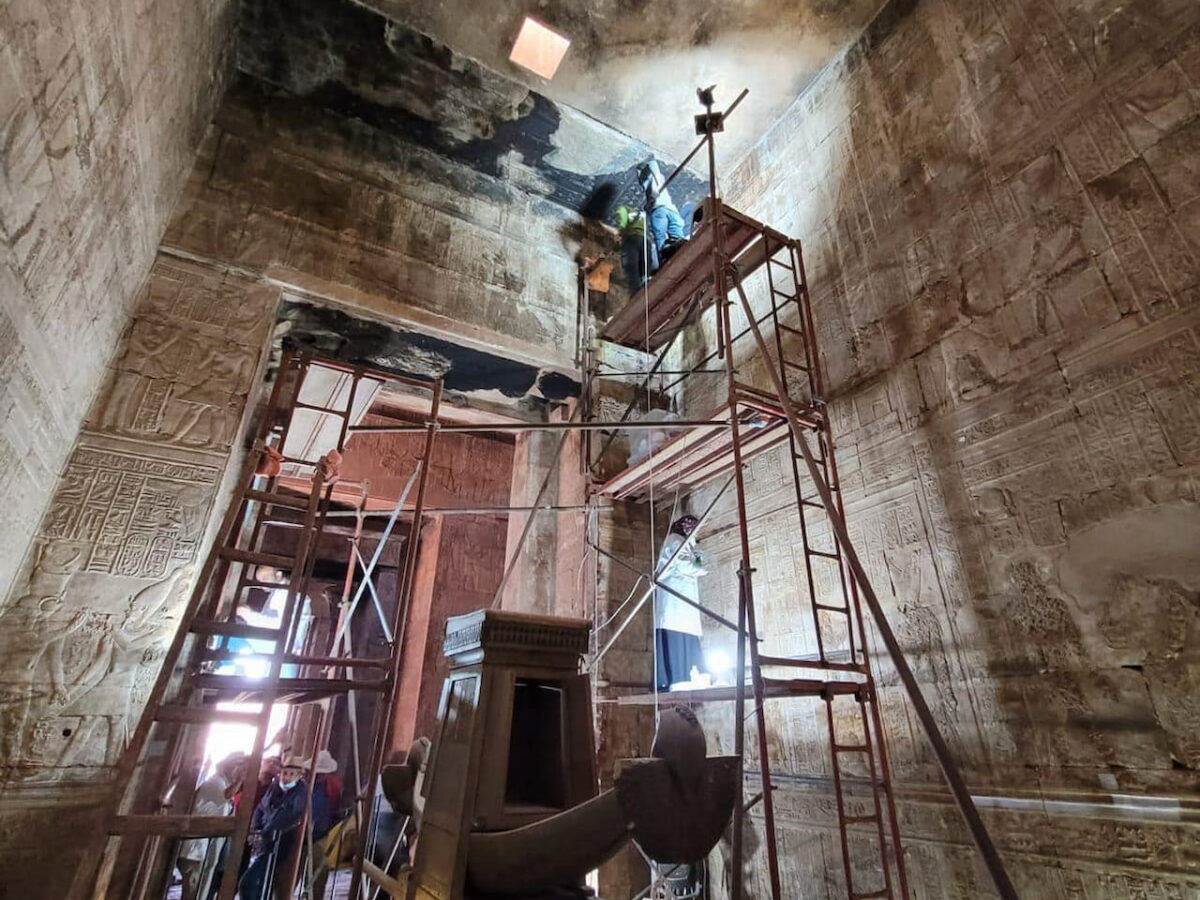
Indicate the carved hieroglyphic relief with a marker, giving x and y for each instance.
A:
(84, 632)
(1002, 248)
(139, 515)
(114, 564)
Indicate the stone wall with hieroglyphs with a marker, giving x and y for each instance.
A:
(337, 208)
(100, 126)
(84, 630)
(999, 207)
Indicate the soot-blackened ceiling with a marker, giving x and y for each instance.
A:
(463, 370)
(636, 64)
(359, 63)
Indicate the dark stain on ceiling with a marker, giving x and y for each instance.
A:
(635, 64)
(332, 333)
(358, 63)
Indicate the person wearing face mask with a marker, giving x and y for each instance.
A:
(273, 829)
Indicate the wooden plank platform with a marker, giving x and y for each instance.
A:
(665, 299)
(696, 456)
(773, 688)
(173, 826)
(291, 690)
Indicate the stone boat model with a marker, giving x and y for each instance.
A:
(506, 797)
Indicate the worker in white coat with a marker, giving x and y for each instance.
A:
(679, 661)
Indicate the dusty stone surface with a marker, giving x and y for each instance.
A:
(998, 204)
(114, 558)
(100, 127)
(333, 208)
(636, 66)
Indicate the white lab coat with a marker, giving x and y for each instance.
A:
(683, 576)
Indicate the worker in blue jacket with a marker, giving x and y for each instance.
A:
(666, 224)
(273, 829)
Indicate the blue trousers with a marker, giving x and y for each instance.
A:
(634, 261)
(665, 222)
(254, 884)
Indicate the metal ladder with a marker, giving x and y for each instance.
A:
(794, 358)
(187, 690)
(789, 300)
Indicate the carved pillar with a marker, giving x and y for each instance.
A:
(85, 627)
(546, 578)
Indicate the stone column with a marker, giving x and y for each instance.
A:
(85, 628)
(546, 577)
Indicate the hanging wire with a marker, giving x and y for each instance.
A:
(647, 237)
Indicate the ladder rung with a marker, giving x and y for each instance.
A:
(289, 500)
(837, 609)
(298, 461)
(783, 661)
(244, 684)
(821, 553)
(256, 558)
(204, 715)
(807, 687)
(811, 662)
(255, 583)
(813, 503)
(859, 820)
(325, 409)
(797, 331)
(850, 748)
(173, 826)
(217, 654)
(234, 629)
(794, 365)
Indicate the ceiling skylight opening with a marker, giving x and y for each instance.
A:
(539, 49)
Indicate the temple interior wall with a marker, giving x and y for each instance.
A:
(100, 129)
(998, 209)
(999, 205)
(263, 215)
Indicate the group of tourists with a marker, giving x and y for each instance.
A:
(280, 796)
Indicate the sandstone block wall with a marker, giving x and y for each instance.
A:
(998, 203)
(337, 210)
(101, 108)
(85, 630)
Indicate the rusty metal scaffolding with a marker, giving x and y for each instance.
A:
(719, 267)
(154, 787)
(715, 270)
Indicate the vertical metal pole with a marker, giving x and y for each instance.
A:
(837, 792)
(945, 758)
(746, 620)
(816, 385)
(388, 697)
(862, 699)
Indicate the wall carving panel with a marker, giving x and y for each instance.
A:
(85, 629)
(97, 147)
(998, 210)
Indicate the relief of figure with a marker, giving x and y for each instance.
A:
(57, 562)
(40, 683)
(1048, 631)
(67, 655)
(24, 625)
(193, 419)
